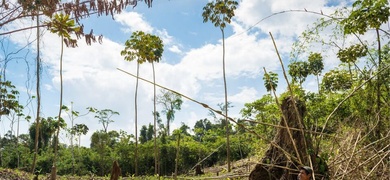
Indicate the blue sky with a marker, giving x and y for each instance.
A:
(191, 64)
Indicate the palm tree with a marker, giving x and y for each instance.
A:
(143, 48)
(63, 26)
(219, 13)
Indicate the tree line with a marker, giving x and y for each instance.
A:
(204, 139)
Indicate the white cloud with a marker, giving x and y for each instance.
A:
(278, 16)
(166, 38)
(134, 21)
(247, 94)
(48, 87)
(175, 49)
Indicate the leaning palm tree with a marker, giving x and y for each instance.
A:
(143, 48)
(220, 13)
(63, 26)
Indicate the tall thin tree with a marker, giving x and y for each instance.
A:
(38, 89)
(142, 47)
(63, 26)
(220, 13)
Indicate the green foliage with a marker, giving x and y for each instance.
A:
(113, 145)
(316, 64)
(352, 94)
(47, 130)
(79, 129)
(263, 110)
(170, 102)
(9, 99)
(352, 53)
(270, 81)
(201, 127)
(64, 26)
(143, 48)
(146, 133)
(366, 14)
(219, 12)
(337, 80)
(104, 116)
(299, 70)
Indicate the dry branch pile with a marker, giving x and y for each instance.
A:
(355, 157)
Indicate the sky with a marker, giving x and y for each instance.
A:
(191, 63)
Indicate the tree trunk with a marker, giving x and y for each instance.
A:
(115, 171)
(155, 121)
(378, 93)
(54, 169)
(226, 102)
(177, 155)
(280, 161)
(38, 99)
(135, 121)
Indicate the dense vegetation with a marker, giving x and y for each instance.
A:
(348, 118)
(112, 145)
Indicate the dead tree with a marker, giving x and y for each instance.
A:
(116, 171)
(289, 148)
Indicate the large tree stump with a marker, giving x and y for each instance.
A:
(53, 173)
(198, 170)
(281, 159)
(115, 171)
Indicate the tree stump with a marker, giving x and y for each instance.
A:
(198, 170)
(281, 159)
(115, 171)
(53, 175)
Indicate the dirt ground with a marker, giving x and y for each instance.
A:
(241, 168)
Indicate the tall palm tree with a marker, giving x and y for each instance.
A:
(143, 48)
(219, 13)
(63, 26)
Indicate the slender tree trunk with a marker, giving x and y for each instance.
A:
(155, 121)
(17, 140)
(318, 84)
(135, 121)
(38, 98)
(54, 168)
(71, 139)
(168, 120)
(226, 102)
(378, 94)
(177, 155)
